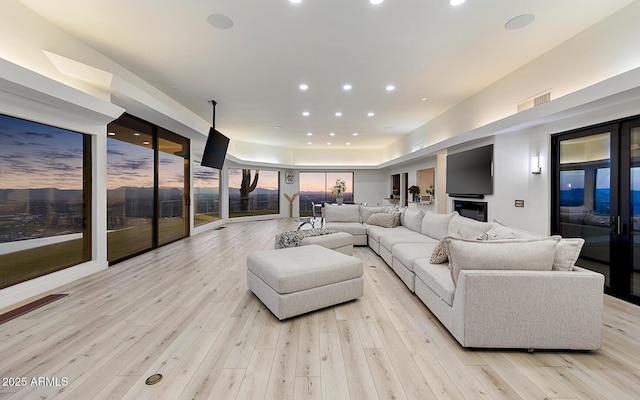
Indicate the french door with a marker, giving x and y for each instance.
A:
(596, 196)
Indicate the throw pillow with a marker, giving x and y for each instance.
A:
(519, 233)
(567, 253)
(440, 253)
(397, 213)
(497, 233)
(366, 212)
(382, 219)
(536, 255)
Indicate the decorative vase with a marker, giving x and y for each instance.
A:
(339, 200)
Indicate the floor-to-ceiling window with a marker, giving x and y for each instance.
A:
(45, 199)
(147, 187)
(596, 196)
(206, 194)
(253, 192)
(316, 187)
(130, 188)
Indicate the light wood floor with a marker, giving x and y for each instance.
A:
(185, 311)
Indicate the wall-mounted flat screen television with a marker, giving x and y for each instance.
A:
(215, 150)
(470, 173)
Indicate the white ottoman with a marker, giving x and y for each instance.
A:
(297, 280)
(339, 241)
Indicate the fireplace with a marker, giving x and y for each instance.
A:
(471, 209)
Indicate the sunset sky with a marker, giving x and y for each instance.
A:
(38, 156)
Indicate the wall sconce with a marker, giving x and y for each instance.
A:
(535, 165)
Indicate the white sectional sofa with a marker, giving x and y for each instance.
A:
(514, 289)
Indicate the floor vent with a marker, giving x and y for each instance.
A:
(8, 316)
(220, 227)
(535, 101)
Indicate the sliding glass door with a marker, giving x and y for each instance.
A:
(147, 187)
(596, 196)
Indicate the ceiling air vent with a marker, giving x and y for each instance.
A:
(535, 101)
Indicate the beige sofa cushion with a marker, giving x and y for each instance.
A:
(407, 253)
(356, 229)
(436, 225)
(468, 228)
(412, 219)
(437, 277)
(537, 255)
(344, 213)
(393, 236)
(567, 253)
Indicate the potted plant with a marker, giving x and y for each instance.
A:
(338, 190)
(429, 194)
(415, 192)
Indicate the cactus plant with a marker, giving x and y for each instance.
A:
(246, 188)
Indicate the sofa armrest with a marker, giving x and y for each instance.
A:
(529, 309)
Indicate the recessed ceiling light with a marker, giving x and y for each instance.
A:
(347, 87)
(305, 113)
(309, 134)
(338, 114)
(328, 143)
(390, 88)
(145, 142)
(295, 1)
(136, 134)
(424, 99)
(277, 127)
(376, 2)
(332, 134)
(456, 2)
(309, 143)
(111, 133)
(303, 86)
(220, 21)
(370, 114)
(520, 21)
(348, 143)
(355, 133)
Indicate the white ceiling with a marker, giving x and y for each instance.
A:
(426, 48)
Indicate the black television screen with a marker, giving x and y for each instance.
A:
(470, 173)
(215, 150)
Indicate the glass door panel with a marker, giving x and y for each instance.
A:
(634, 212)
(172, 170)
(585, 198)
(130, 190)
